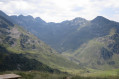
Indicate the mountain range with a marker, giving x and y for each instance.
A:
(83, 43)
(24, 51)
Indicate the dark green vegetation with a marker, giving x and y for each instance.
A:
(12, 61)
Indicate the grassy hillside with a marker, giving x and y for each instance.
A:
(99, 53)
(12, 61)
(18, 41)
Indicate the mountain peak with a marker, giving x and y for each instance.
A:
(100, 19)
(39, 19)
(78, 19)
(28, 16)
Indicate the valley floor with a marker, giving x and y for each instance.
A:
(92, 74)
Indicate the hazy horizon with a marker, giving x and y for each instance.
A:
(58, 11)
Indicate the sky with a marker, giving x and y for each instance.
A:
(60, 10)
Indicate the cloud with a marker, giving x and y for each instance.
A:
(59, 10)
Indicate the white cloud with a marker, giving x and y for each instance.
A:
(59, 10)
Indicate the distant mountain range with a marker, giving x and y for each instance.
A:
(21, 50)
(92, 44)
(54, 34)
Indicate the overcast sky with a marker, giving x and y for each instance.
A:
(60, 10)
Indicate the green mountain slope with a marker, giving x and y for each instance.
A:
(99, 53)
(19, 41)
(12, 61)
(101, 50)
(98, 27)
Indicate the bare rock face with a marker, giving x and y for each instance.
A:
(15, 33)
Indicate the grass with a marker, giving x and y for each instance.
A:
(79, 77)
(93, 74)
(37, 75)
